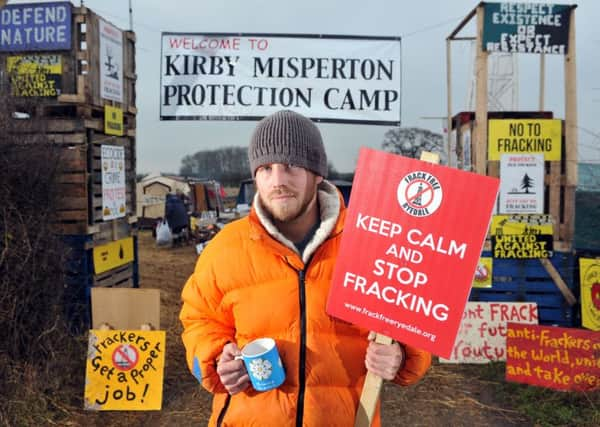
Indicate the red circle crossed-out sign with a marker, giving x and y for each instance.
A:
(125, 357)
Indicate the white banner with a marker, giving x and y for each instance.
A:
(113, 182)
(482, 334)
(111, 62)
(327, 78)
(521, 184)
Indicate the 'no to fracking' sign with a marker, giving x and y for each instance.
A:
(412, 240)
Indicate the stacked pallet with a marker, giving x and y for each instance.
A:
(545, 275)
(78, 85)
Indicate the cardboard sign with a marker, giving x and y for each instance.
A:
(113, 120)
(114, 196)
(35, 27)
(483, 273)
(412, 239)
(525, 136)
(521, 184)
(589, 278)
(112, 255)
(558, 358)
(125, 308)
(526, 27)
(482, 334)
(125, 370)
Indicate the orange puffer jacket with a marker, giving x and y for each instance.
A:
(248, 284)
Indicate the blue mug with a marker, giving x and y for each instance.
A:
(263, 364)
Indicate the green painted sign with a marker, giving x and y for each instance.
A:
(526, 27)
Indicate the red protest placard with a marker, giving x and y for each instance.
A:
(412, 240)
(558, 358)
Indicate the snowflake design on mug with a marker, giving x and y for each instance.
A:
(261, 368)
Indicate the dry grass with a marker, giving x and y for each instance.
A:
(450, 395)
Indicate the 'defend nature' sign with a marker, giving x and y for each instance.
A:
(246, 77)
(35, 27)
(526, 27)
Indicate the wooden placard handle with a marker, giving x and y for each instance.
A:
(372, 387)
(370, 392)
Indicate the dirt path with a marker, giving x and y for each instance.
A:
(449, 395)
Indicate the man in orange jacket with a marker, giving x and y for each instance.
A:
(268, 275)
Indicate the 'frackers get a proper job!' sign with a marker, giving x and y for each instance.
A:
(412, 240)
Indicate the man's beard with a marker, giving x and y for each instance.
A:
(287, 213)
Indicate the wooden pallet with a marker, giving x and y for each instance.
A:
(79, 279)
(79, 209)
(526, 280)
(80, 76)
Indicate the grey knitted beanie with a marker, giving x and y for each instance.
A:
(287, 137)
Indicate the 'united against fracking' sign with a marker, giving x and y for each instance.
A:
(232, 76)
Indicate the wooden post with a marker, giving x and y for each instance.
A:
(542, 80)
(370, 392)
(373, 383)
(449, 102)
(480, 137)
(571, 131)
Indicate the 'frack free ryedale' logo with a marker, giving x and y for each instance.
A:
(419, 193)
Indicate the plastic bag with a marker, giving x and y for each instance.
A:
(163, 234)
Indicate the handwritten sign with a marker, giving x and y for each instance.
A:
(558, 358)
(526, 27)
(35, 75)
(249, 76)
(125, 370)
(589, 277)
(35, 27)
(405, 230)
(521, 184)
(521, 236)
(525, 136)
(113, 182)
(482, 334)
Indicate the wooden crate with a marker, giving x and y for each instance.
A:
(559, 197)
(526, 280)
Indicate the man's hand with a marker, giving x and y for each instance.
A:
(232, 372)
(384, 360)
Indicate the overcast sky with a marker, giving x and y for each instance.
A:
(423, 26)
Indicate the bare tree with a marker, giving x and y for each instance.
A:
(410, 142)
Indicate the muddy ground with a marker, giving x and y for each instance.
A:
(449, 395)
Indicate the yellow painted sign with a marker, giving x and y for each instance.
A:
(124, 370)
(589, 277)
(521, 236)
(525, 136)
(113, 120)
(483, 273)
(35, 75)
(521, 224)
(112, 255)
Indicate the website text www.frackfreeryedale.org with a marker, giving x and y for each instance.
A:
(396, 323)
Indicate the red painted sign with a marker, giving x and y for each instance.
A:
(412, 240)
(558, 358)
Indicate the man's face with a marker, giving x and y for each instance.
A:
(286, 191)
